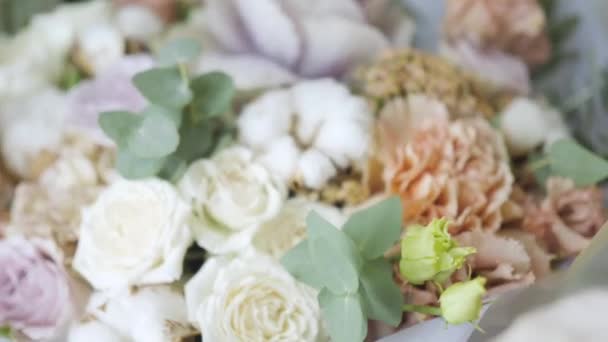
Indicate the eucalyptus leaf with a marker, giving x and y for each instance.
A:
(381, 297)
(376, 229)
(196, 140)
(172, 114)
(133, 167)
(155, 137)
(571, 160)
(164, 87)
(181, 50)
(213, 94)
(119, 125)
(297, 262)
(344, 316)
(173, 169)
(333, 254)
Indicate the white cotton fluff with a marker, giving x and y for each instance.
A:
(315, 169)
(101, 46)
(266, 119)
(281, 157)
(524, 125)
(138, 22)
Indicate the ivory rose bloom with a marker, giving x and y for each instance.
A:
(231, 196)
(252, 298)
(34, 289)
(135, 233)
(147, 314)
(277, 236)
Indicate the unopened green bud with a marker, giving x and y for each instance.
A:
(429, 253)
(462, 302)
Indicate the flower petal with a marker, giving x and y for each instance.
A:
(224, 24)
(264, 19)
(331, 49)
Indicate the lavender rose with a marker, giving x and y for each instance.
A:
(269, 42)
(34, 289)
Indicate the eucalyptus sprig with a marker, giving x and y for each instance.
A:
(186, 119)
(348, 267)
(567, 158)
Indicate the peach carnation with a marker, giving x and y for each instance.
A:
(458, 170)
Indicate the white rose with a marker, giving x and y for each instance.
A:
(288, 228)
(308, 132)
(100, 46)
(527, 124)
(135, 233)
(30, 125)
(147, 314)
(251, 298)
(231, 196)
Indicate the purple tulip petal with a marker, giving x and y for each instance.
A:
(247, 71)
(224, 23)
(331, 49)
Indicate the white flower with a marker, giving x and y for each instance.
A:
(148, 314)
(288, 228)
(138, 22)
(135, 233)
(308, 132)
(231, 196)
(251, 298)
(100, 46)
(527, 124)
(30, 125)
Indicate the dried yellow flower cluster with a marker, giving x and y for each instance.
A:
(400, 73)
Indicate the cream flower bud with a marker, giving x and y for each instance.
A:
(462, 302)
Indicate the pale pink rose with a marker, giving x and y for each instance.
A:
(34, 289)
(269, 42)
(112, 90)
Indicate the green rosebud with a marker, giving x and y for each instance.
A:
(462, 302)
(429, 253)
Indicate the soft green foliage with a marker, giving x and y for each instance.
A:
(462, 302)
(179, 51)
(6, 332)
(348, 267)
(166, 137)
(569, 159)
(344, 316)
(371, 244)
(430, 254)
(213, 93)
(164, 86)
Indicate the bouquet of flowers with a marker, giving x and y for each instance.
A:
(280, 170)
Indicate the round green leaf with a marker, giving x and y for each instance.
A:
(571, 160)
(164, 87)
(196, 141)
(178, 51)
(171, 114)
(344, 316)
(333, 255)
(119, 125)
(376, 229)
(381, 297)
(213, 94)
(297, 262)
(155, 137)
(133, 167)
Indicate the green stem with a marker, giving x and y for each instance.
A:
(183, 72)
(540, 164)
(423, 309)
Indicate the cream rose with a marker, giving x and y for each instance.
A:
(288, 228)
(147, 314)
(231, 196)
(135, 233)
(252, 298)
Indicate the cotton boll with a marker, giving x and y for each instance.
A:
(93, 331)
(315, 169)
(313, 102)
(100, 46)
(524, 125)
(281, 157)
(343, 141)
(265, 119)
(138, 22)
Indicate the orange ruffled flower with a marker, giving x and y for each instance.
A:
(458, 170)
(567, 218)
(517, 27)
